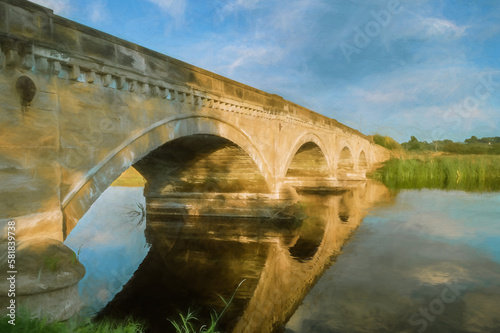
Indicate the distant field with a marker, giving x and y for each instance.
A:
(130, 178)
(460, 172)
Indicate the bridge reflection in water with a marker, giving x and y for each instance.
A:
(193, 260)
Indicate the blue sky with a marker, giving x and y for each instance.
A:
(429, 68)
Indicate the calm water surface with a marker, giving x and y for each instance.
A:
(429, 262)
(363, 261)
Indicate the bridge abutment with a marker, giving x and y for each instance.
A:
(42, 278)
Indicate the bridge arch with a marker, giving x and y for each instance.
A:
(84, 193)
(362, 161)
(345, 157)
(305, 139)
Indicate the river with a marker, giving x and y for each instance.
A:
(367, 260)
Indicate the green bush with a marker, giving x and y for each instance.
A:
(386, 142)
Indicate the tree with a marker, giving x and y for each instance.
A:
(414, 144)
(386, 141)
(473, 139)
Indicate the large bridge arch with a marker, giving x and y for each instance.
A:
(84, 193)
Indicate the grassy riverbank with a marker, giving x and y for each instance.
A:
(25, 323)
(452, 172)
(188, 323)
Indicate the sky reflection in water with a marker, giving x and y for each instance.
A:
(110, 244)
(400, 262)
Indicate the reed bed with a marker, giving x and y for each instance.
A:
(455, 172)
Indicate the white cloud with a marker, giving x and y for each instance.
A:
(411, 84)
(237, 5)
(245, 55)
(433, 102)
(60, 7)
(435, 26)
(423, 28)
(174, 8)
(97, 11)
(297, 16)
(381, 97)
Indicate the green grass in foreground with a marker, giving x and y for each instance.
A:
(464, 172)
(25, 323)
(186, 324)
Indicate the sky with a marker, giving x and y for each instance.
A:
(428, 68)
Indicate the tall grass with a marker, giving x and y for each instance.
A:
(27, 324)
(464, 172)
(186, 325)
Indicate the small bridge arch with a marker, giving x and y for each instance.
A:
(345, 159)
(362, 161)
(310, 145)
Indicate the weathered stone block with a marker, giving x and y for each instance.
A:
(29, 128)
(40, 157)
(131, 58)
(218, 86)
(13, 158)
(46, 101)
(47, 224)
(75, 162)
(97, 47)
(201, 80)
(275, 101)
(25, 191)
(22, 22)
(229, 89)
(109, 142)
(44, 26)
(82, 117)
(155, 110)
(65, 38)
(238, 92)
(3, 17)
(166, 70)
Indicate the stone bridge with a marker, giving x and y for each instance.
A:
(78, 107)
